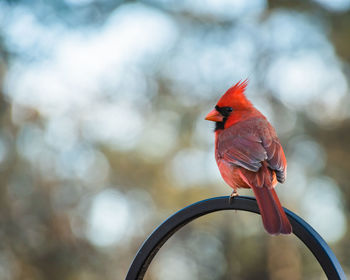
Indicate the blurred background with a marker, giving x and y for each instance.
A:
(103, 136)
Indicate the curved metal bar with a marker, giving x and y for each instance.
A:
(162, 233)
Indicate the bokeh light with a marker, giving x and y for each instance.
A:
(108, 219)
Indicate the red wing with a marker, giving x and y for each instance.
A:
(245, 151)
(276, 158)
(249, 151)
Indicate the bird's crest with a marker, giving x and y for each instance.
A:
(235, 97)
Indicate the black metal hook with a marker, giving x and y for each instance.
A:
(162, 233)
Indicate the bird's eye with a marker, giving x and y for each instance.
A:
(225, 111)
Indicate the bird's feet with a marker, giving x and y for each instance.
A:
(232, 196)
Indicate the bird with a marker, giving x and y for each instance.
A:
(249, 155)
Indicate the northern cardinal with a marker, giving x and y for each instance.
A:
(249, 154)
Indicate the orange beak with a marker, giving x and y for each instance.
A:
(214, 116)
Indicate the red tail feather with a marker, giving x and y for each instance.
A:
(274, 218)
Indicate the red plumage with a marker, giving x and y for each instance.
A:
(249, 154)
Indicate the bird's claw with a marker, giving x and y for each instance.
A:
(232, 196)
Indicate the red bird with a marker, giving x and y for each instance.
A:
(249, 154)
